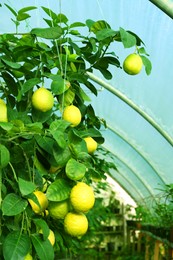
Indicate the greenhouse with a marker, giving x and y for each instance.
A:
(86, 130)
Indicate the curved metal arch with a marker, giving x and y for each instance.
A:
(134, 188)
(129, 102)
(165, 5)
(131, 170)
(132, 146)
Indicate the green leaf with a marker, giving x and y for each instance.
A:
(43, 248)
(12, 85)
(16, 246)
(62, 18)
(46, 143)
(77, 24)
(147, 64)
(6, 126)
(26, 187)
(75, 170)
(99, 25)
(50, 12)
(48, 33)
(29, 84)
(127, 38)
(59, 138)
(4, 156)
(13, 65)
(58, 85)
(61, 155)
(42, 225)
(22, 16)
(34, 127)
(105, 33)
(60, 125)
(107, 74)
(89, 23)
(11, 9)
(40, 167)
(13, 205)
(67, 98)
(26, 9)
(58, 190)
(39, 116)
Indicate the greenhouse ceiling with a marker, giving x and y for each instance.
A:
(137, 109)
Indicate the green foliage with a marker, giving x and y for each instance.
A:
(32, 142)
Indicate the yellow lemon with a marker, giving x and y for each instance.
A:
(43, 202)
(58, 209)
(76, 224)
(72, 115)
(91, 144)
(51, 236)
(132, 64)
(42, 99)
(82, 197)
(28, 257)
(3, 111)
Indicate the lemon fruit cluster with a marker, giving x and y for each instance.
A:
(91, 144)
(42, 99)
(42, 204)
(58, 209)
(82, 200)
(3, 111)
(72, 115)
(132, 65)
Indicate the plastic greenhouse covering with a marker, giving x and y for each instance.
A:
(137, 109)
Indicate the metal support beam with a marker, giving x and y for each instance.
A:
(165, 5)
(129, 102)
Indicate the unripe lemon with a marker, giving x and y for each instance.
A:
(42, 99)
(28, 257)
(82, 197)
(43, 202)
(72, 115)
(91, 144)
(132, 64)
(76, 224)
(51, 236)
(54, 169)
(58, 209)
(3, 111)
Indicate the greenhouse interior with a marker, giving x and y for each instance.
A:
(86, 130)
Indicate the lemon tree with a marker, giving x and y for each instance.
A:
(49, 131)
